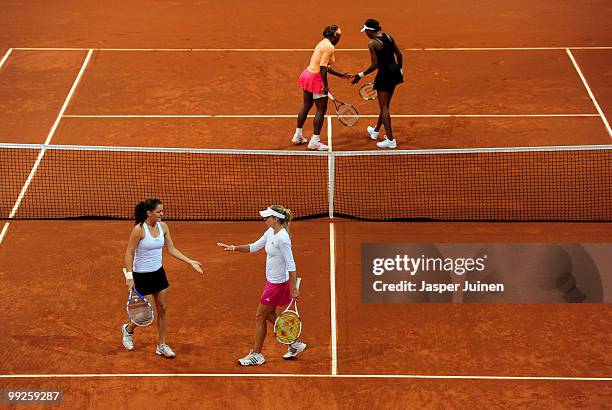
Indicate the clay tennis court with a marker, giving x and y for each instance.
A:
(201, 76)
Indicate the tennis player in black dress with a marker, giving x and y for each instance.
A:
(388, 60)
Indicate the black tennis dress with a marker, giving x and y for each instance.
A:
(389, 74)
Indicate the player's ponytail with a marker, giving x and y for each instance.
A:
(288, 216)
(140, 212)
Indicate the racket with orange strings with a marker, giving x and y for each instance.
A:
(367, 92)
(288, 325)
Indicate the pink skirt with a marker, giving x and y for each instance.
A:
(311, 82)
(276, 294)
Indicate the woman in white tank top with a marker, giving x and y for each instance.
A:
(145, 272)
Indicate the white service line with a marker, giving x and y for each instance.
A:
(3, 233)
(177, 49)
(310, 49)
(5, 57)
(586, 85)
(484, 115)
(139, 116)
(296, 375)
(311, 116)
(332, 297)
(182, 116)
(49, 137)
(54, 48)
(505, 48)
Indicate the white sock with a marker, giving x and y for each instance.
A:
(298, 132)
(316, 138)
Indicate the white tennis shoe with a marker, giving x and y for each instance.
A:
(373, 133)
(252, 359)
(298, 139)
(386, 143)
(294, 349)
(128, 342)
(317, 146)
(164, 350)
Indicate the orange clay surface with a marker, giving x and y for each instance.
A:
(64, 307)
(275, 24)
(194, 83)
(63, 294)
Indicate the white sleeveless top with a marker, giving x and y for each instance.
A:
(148, 256)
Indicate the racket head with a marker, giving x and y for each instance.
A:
(347, 114)
(367, 92)
(287, 327)
(139, 310)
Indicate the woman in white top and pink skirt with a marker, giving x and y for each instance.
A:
(281, 284)
(144, 269)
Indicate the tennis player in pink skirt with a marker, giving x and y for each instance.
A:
(313, 81)
(281, 285)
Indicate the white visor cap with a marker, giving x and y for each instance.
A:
(271, 212)
(364, 28)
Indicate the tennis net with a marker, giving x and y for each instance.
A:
(500, 184)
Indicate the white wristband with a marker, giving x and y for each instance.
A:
(128, 275)
(401, 71)
(360, 74)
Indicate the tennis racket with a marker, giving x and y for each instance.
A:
(288, 326)
(139, 310)
(347, 114)
(367, 92)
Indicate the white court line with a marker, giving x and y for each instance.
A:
(332, 231)
(310, 49)
(53, 48)
(175, 49)
(182, 116)
(296, 375)
(3, 233)
(49, 137)
(332, 297)
(586, 85)
(6, 56)
(311, 116)
(507, 48)
(67, 101)
(483, 115)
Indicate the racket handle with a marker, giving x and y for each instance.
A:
(297, 285)
(331, 97)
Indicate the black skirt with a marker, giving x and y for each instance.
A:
(148, 283)
(388, 78)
